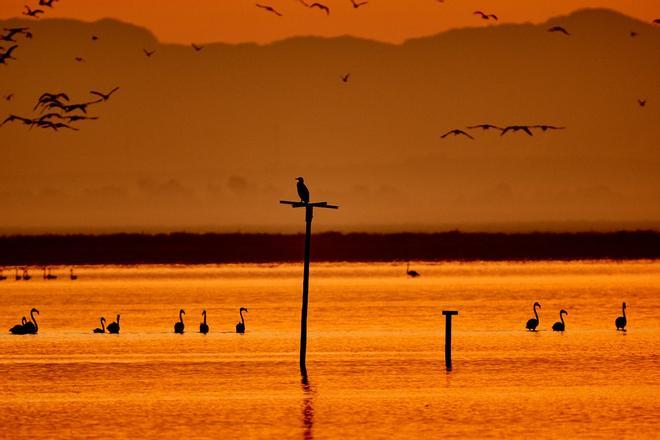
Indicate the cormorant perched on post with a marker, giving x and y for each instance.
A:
(303, 192)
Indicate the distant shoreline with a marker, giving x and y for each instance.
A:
(188, 248)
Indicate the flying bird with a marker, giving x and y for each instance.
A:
(104, 96)
(516, 128)
(485, 127)
(47, 3)
(94, 38)
(641, 102)
(7, 55)
(633, 33)
(656, 21)
(558, 29)
(56, 125)
(12, 118)
(9, 36)
(321, 6)
(9, 97)
(357, 5)
(269, 9)
(75, 118)
(456, 132)
(345, 78)
(80, 59)
(196, 47)
(547, 127)
(32, 12)
(485, 16)
(148, 53)
(303, 191)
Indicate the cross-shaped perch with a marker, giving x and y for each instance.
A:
(309, 214)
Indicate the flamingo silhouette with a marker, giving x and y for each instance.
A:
(114, 326)
(411, 273)
(203, 327)
(180, 326)
(621, 321)
(560, 326)
(534, 322)
(240, 327)
(102, 329)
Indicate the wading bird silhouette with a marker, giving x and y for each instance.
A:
(72, 275)
(533, 322)
(456, 132)
(114, 326)
(180, 326)
(560, 326)
(269, 9)
(303, 191)
(411, 273)
(26, 328)
(26, 275)
(240, 327)
(203, 327)
(621, 321)
(102, 329)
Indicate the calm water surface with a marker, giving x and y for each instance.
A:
(375, 360)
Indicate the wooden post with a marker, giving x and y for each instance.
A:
(448, 314)
(309, 215)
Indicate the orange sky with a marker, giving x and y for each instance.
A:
(389, 20)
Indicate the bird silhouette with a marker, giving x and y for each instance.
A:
(656, 21)
(7, 55)
(104, 96)
(102, 329)
(9, 97)
(148, 53)
(12, 118)
(269, 9)
(26, 275)
(203, 327)
(27, 327)
(456, 132)
(47, 3)
(411, 273)
(114, 326)
(11, 32)
(560, 326)
(345, 78)
(633, 34)
(303, 191)
(95, 38)
(558, 29)
(196, 47)
(72, 275)
(485, 16)
(179, 326)
(516, 128)
(533, 322)
(240, 327)
(74, 118)
(321, 6)
(80, 59)
(32, 12)
(18, 277)
(641, 102)
(485, 127)
(621, 321)
(56, 126)
(357, 5)
(547, 127)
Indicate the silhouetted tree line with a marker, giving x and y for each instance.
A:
(264, 248)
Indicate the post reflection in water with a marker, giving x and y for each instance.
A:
(307, 408)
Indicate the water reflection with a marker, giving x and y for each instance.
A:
(307, 408)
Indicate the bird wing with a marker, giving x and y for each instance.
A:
(527, 130)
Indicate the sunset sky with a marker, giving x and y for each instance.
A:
(212, 140)
(386, 20)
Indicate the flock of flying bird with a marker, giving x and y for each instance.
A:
(31, 327)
